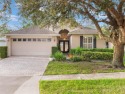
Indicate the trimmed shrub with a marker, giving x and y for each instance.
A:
(88, 55)
(102, 56)
(99, 50)
(54, 50)
(3, 51)
(103, 50)
(76, 58)
(59, 56)
(78, 51)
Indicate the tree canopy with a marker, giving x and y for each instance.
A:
(109, 12)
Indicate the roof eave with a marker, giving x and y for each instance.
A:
(81, 34)
(32, 34)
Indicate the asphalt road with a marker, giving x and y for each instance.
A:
(9, 84)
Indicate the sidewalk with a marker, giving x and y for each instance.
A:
(32, 85)
(85, 76)
(29, 87)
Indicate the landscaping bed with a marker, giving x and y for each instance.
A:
(68, 67)
(81, 54)
(104, 86)
(81, 61)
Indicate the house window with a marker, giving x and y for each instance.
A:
(29, 39)
(14, 39)
(24, 39)
(39, 39)
(87, 42)
(43, 40)
(49, 39)
(19, 39)
(34, 39)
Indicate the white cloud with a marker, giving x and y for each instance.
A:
(18, 5)
(8, 16)
(102, 16)
(14, 18)
(2, 14)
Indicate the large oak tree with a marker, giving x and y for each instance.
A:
(109, 12)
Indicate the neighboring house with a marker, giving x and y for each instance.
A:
(3, 41)
(36, 41)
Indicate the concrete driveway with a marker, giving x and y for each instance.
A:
(23, 66)
(21, 75)
(9, 84)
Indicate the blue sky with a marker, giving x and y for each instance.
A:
(14, 22)
(14, 19)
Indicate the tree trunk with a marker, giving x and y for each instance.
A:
(118, 56)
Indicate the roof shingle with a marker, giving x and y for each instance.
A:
(84, 30)
(33, 30)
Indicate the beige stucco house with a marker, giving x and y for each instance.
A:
(36, 41)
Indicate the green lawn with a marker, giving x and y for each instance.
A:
(109, 86)
(57, 68)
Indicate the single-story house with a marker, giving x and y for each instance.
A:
(36, 41)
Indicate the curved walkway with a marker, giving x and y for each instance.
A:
(116, 75)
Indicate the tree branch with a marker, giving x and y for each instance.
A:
(112, 20)
(105, 21)
(101, 35)
(120, 6)
(119, 18)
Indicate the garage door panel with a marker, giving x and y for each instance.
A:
(31, 48)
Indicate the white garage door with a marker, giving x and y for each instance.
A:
(31, 46)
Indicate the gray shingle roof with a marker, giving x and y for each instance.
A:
(33, 30)
(84, 30)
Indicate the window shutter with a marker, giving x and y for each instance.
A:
(94, 42)
(81, 41)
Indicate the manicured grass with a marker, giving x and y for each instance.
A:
(58, 68)
(109, 86)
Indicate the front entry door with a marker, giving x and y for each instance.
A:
(64, 46)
